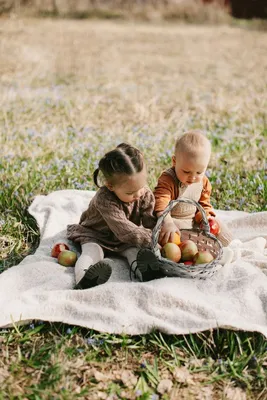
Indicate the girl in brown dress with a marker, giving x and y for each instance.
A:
(118, 220)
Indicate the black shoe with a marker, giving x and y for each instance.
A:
(148, 266)
(96, 274)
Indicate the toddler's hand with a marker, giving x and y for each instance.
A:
(214, 225)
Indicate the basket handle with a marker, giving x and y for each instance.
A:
(156, 230)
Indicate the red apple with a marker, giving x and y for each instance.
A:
(203, 257)
(67, 258)
(214, 226)
(188, 250)
(171, 251)
(58, 247)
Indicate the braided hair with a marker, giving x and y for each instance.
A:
(123, 160)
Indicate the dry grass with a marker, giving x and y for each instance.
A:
(148, 10)
(103, 74)
(48, 364)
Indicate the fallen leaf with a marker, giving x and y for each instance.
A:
(164, 386)
(128, 378)
(182, 375)
(234, 393)
(100, 377)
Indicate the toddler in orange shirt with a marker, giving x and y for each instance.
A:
(186, 178)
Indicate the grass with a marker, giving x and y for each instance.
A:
(145, 10)
(70, 90)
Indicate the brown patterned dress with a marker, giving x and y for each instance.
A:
(115, 225)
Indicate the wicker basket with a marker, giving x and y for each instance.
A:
(203, 239)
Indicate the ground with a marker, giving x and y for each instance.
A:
(71, 90)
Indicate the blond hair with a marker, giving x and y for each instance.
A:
(192, 142)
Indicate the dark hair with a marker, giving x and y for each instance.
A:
(124, 159)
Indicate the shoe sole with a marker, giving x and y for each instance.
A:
(97, 274)
(149, 265)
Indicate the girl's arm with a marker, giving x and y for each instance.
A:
(125, 230)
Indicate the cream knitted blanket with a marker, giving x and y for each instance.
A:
(39, 288)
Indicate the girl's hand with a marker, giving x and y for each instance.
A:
(159, 246)
(167, 233)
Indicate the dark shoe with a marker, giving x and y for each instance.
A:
(96, 274)
(148, 266)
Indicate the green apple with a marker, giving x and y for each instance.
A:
(203, 257)
(171, 251)
(188, 250)
(67, 258)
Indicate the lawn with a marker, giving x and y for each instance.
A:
(72, 90)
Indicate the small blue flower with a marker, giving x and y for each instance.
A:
(69, 331)
(241, 202)
(94, 342)
(91, 341)
(218, 181)
(138, 392)
(259, 189)
(31, 326)
(169, 153)
(80, 350)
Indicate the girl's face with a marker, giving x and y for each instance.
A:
(129, 187)
(190, 169)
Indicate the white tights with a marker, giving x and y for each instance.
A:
(91, 254)
(130, 254)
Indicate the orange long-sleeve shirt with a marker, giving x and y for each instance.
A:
(170, 188)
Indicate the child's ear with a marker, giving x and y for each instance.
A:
(109, 186)
(173, 161)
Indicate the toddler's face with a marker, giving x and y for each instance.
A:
(190, 169)
(130, 187)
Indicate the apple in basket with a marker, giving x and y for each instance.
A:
(176, 238)
(67, 258)
(171, 251)
(188, 250)
(202, 257)
(188, 263)
(58, 247)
